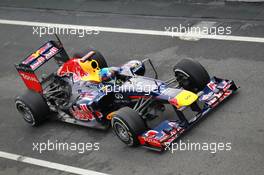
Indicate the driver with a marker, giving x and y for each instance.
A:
(108, 73)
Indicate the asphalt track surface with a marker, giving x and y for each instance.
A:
(239, 120)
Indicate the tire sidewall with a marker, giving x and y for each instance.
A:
(132, 136)
(29, 111)
(35, 105)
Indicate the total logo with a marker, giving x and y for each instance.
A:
(28, 77)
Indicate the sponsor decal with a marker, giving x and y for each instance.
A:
(84, 113)
(219, 97)
(207, 96)
(119, 96)
(88, 96)
(37, 63)
(28, 77)
(174, 132)
(50, 53)
(151, 140)
(222, 85)
(227, 87)
(212, 86)
(31, 81)
(44, 57)
(151, 133)
(37, 53)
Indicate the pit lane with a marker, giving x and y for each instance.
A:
(239, 120)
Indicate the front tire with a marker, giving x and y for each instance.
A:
(191, 75)
(33, 108)
(128, 125)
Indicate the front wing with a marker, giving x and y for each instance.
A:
(216, 91)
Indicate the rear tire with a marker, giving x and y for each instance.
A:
(128, 125)
(191, 75)
(33, 108)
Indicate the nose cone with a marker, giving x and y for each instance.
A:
(185, 98)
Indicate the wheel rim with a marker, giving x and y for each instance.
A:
(184, 80)
(122, 132)
(26, 113)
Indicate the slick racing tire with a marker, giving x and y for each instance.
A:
(128, 125)
(97, 57)
(191, 75)
(33, 108)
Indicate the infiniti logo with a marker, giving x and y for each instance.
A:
(119, 96)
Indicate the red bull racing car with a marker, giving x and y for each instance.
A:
(85, 91)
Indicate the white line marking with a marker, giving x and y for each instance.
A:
(135, 31)
(48, 164)
(200, 25)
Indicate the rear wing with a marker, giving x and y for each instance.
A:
(27, 67)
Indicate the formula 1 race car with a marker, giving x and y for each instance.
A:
(83, 90)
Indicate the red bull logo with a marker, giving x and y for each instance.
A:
(37, 53)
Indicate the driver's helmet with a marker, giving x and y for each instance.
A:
(108, 73)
